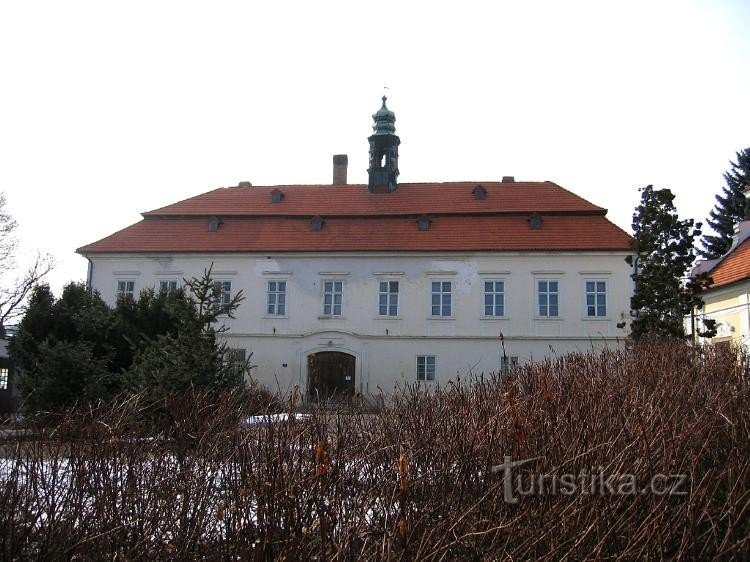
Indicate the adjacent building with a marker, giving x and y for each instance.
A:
(356, 287)
(728, 299)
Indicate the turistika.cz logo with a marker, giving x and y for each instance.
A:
(594, 482)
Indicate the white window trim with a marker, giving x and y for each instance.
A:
(416, 369)
(119, 280)
(397, 316)
(323, 315)
(232, 289)
(513, 363)
(595, 318)
(452, 315)
(489, 279)
(175, 281)
(268, 280)
(535, 297)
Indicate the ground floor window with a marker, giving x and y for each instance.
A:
(508, 363)
(425, 367)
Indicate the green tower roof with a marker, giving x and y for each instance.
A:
(385, 121)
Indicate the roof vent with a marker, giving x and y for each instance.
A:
(423, 223)
(214, 223)
(509, 179)
(479, 192)
(535, 221)
(316, 223)
(276, 196)
(244, 184)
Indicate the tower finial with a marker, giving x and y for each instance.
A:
(384, 100)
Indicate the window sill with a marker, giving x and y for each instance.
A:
(494, 317)
(388, 318)
(330, 317)
(549, 318)
(275, 316)
(596, 319)
(441, 318)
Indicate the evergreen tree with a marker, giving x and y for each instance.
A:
(663, 253)
(78, 349)
(190, 355)
(730, 208)
(63, 350)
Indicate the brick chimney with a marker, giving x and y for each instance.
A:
(340, 164)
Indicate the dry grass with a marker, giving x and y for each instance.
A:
(413, 481)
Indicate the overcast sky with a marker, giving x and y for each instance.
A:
(109, 109)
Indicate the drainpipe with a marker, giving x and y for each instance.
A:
(89, 275)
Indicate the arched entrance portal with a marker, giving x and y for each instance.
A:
(330, 374)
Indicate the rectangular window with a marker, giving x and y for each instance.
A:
(494, 298)
(548, 297)
(333, 297)
(237, 360)
(276, 298)
(3, 378)
(508, 363)
(441, 298)
(222, 294)
(425, 367)
(167, 285)
(596, 298)
(388, 298)
(126, 289)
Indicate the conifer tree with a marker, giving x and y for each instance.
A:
(662, 255)
(730, 208)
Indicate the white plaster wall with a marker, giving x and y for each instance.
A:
(386, 348)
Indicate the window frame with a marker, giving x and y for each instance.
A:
(507, 367)
(168, 282)
(538, 293)
(124, 293)
(389, 295)
(425, 368)
(226, 295)
(442, 293)
(237, 359)
(494, 305)
(596, 293)
(276, 294)
(333, 293)
(4, 378)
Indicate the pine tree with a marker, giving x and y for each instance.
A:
(663, 253)
(730, 208)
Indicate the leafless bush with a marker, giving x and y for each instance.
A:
(414, 480)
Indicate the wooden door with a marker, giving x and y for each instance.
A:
(331, 374)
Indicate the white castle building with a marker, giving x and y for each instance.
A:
(351, 288)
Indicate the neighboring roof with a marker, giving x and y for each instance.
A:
(408, 199)
(446, 233)
(735, 266)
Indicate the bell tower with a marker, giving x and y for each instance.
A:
(383, 170)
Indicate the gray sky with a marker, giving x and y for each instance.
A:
(108, 109)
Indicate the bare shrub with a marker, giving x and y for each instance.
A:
(417, 479)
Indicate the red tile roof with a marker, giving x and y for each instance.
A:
(733, 267)
(408, 199)
(356, 219)
(392, 234)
